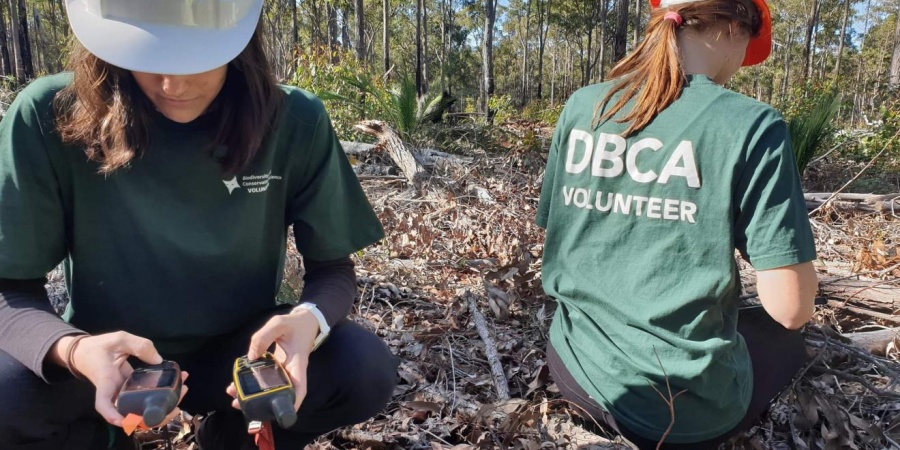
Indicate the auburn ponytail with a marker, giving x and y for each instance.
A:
(652, 74)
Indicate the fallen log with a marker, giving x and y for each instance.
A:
(889, 203)
(427, 157)
(405, 161)
(874, 342)
(882, 297)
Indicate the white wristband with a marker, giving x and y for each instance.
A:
(324, 329)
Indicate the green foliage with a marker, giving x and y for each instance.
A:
(398, 106)
(885, 136)
(503, 108)
(542, 111)
(318, 74)
(810, 125)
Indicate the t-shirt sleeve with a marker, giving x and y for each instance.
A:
(547, 187)
(771, 225)
(331, 215)
(32, 230)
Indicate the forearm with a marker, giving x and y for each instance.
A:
(788, 293)
(30, 331)
(331, 286)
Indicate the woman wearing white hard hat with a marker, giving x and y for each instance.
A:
(164, 171)
(654, 179)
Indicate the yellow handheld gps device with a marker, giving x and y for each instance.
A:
(151, 392)
(264, 390)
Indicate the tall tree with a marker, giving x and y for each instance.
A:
(40, 49)
(525, 41)
(425, 45)
(894, 79)
(811, 23)
(345, 28)
(543, 29)
(295, 28)
(385, 26)
(25, 41)
(620, 40)
(637, 22)
(487, 52)
(360, 32)
(840, 50)
(5, 65)
(332, 30)
(18, 66)
(420, 83)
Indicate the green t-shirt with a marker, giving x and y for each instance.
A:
(166, 248)
(639, 251)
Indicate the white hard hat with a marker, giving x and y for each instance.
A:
(172, 37)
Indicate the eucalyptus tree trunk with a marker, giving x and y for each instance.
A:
(621, 37)
(360, 32)
(5, 64)
(840, 50)
(385, 26)
(25, 41)
(420, 85)
(487, 52)
(811, 23)
(543, 29)
(894, 79)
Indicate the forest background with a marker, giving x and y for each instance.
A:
(544, 49)
(473, 89)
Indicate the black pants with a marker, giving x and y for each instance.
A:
(777, 354)
(351, 377)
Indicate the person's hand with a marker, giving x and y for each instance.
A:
(103, 360)
(294, 336)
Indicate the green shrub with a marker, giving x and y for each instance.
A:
(811, 126)
(542, 111)
(317, 74)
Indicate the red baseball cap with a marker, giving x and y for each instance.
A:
(760, 46)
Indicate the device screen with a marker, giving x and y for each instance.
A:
(261, 378)
(150, 379)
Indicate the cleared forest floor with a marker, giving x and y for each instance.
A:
(465, 244)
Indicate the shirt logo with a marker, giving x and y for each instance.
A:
(231, 184)
(253, 184)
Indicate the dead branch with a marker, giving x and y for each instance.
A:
(887, 145)
(363, 438)
(816, 334)
(490, 348)
(855, 378)
(405, 161)
(864, 311)
(874, 341)
(860, 202)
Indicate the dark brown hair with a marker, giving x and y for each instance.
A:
(105, 112)
(653, 72)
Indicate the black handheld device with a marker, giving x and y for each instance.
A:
(151, 392)
(264, 390)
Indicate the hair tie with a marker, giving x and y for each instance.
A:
(674, 16)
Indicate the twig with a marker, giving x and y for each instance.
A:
(864, 169)
(837, 146)
(857, 379)
(380, 177)
(490, 348)
(452, 374)
(670, 401)
(888, 270)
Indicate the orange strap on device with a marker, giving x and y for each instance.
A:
(262, 435)
(133, 422)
